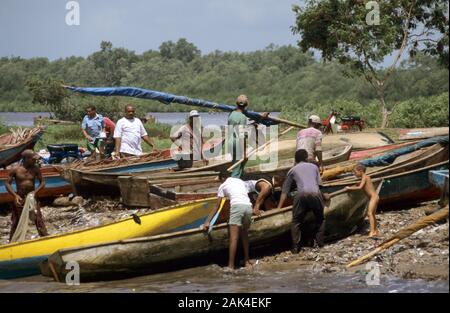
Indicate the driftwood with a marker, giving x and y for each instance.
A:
(404, 233)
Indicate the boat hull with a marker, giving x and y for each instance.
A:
(21, 259)
(343, 216)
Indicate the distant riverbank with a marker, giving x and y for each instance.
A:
(219, 118)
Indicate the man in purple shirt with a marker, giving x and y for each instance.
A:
(308, 198)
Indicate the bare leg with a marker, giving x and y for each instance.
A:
(244, 238)
(40, 225)
(372, 219)
(234, 237)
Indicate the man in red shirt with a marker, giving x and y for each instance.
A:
(110, 143)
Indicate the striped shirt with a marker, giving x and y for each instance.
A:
(310, 139)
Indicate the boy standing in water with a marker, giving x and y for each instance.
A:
(367, 185)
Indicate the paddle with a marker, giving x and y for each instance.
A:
(216, 216)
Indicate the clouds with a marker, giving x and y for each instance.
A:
(37, 28)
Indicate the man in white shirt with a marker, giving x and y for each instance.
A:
(128, 134)
(237, 190)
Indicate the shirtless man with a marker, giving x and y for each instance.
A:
(367, 185)
(24, 177)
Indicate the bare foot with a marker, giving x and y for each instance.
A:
(374, 235)
(249, 264)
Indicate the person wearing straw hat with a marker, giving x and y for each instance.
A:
(189, 137)
(25, 195)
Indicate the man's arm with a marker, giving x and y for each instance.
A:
(282, 200)
(118, 141)
(86, 135)
(41, 182)
(205, 226)
(149, 141)
(262, 196)
(8, 184)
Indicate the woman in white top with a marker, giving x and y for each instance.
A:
(128, 134)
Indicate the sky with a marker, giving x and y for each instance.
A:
(38, 28)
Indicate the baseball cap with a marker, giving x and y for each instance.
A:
(193, 113)
(315, 119)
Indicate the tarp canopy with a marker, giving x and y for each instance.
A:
(167, 98)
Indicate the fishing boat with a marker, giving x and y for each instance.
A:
(13, 144)
(22, 259)
(422, 133)
(155, 190)
(191, 247)
(100, 178)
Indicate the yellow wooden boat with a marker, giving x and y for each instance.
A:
(22, 259)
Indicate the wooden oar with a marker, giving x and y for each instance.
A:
(231, 168)
(216, 216)
(283, 121)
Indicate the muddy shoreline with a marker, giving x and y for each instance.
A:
(424, 255)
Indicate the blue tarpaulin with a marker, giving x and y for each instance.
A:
(390, 157)
(167, 98)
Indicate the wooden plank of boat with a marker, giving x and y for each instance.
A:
(22, 259)
(422, 133)
(343, 215)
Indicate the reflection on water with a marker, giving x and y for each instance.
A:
(272, 278)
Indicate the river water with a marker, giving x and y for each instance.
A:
(220, 118)
(267, 279)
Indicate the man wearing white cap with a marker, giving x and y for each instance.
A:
(310, 139)
(189, 137)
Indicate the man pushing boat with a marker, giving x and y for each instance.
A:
(25, 202)
(241, 211)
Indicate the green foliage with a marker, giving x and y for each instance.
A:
(341, 30)
(422, 112)
(275, 79)
(49, 93)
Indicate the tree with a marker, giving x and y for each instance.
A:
(111, 63)
(340, 30)
(48, 92)
(182, 50)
